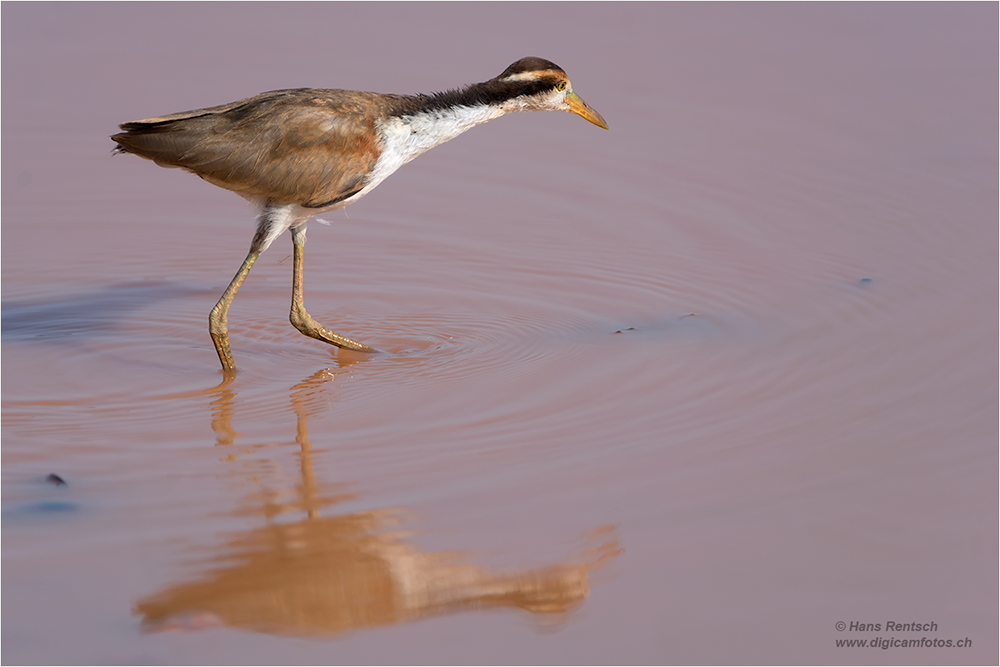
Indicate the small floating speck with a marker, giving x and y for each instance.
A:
(624, 330)
(55, 479)
(865, 282)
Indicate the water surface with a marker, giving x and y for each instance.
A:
(693, 390)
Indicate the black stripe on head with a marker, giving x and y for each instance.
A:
(493, 92)
(489, 92)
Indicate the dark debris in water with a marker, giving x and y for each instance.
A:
(55, 479)
(682, 317)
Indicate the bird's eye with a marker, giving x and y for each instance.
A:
(561, 86)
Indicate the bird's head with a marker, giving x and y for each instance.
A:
(543, 85)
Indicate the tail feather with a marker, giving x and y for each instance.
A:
(169, 142)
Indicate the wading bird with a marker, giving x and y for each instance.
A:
(301, 152)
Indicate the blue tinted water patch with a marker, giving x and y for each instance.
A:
(84, 315)
(50, 507)
(40, 512)
(43, 499)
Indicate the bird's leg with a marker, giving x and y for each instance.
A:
(218, 317)
(298, 316)
(273, 220)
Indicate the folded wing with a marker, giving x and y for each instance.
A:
(306, 146)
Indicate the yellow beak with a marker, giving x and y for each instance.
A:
(581, 108)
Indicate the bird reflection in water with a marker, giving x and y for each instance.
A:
(333, 574)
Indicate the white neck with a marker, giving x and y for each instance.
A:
(405, 137)
(413, 135)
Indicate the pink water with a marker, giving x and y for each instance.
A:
(792, 224)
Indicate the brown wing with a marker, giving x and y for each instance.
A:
(305, 146)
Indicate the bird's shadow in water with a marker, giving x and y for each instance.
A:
(87, 315)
